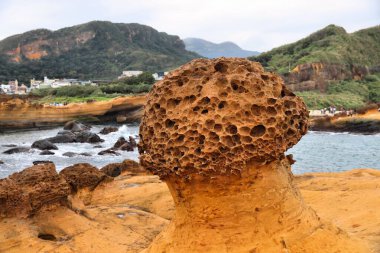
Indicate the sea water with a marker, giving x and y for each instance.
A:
(316, 151)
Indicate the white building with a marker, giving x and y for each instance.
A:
(159, 75)
(130, 73)
(5, 89)
(35, 84)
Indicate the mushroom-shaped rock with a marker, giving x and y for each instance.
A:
(216, 131)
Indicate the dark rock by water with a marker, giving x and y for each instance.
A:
(44, 145)
(16, 150)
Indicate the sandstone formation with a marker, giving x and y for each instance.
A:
(19, 112)
(315, 76)
(115, 169)
(82, 175)
(216, 131)
(26, 192)
(124, 215)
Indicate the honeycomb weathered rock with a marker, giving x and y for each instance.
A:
(211, 117)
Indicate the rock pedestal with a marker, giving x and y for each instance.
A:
(216, 132)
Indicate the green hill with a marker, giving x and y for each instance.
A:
(95, 50)
(331, 45)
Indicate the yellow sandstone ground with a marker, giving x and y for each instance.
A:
(126, 214)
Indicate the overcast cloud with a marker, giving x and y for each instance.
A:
(254, 25)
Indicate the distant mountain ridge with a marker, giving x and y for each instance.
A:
(98, 49)
(213, 50)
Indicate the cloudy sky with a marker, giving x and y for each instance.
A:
(253, 24)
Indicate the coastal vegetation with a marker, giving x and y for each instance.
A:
(332, 45)
(104, 91)
(348, 94)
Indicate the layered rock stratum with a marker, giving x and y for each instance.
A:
(18, 113)
(216, 131)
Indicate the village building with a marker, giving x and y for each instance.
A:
(159, 75)
(130, 73)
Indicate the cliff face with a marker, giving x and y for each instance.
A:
(315, 76)
(47, 46)
(19, 113)
(93, 50)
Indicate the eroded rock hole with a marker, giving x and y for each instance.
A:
(47, 237)
(222, 104)
(258, 131)
(232, 129)
(221, 67)
(234, 86)
(204, 111)
(169, 123)
(205, 100)
(256, 110)
(218, 127)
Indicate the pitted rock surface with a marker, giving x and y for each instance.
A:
(211, 117)
(26, 192)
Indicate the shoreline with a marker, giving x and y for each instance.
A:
(22, 114)
(118, 210)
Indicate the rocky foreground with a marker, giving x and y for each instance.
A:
(121, 208)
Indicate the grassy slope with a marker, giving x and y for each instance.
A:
(347, 94)
(329, 45)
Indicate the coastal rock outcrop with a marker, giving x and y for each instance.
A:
(47, 152)
(82, 175)
(26, 192)
(109, 129)
(129, 166)
(216, 131)
(75, 126)
(16, 150)
(44, 145)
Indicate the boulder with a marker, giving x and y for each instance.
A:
(69, 154)
(109, 129)
(120, 142)
(1, 162)
(25, 193)
(44, 145)
(127, 147)
(63, 137)
(75, 126)
(132, 141)
(85, 154)
(109, 151)
(16, 150)
(129, 166)
(47, 152)
(83, 175)
(86, 136)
